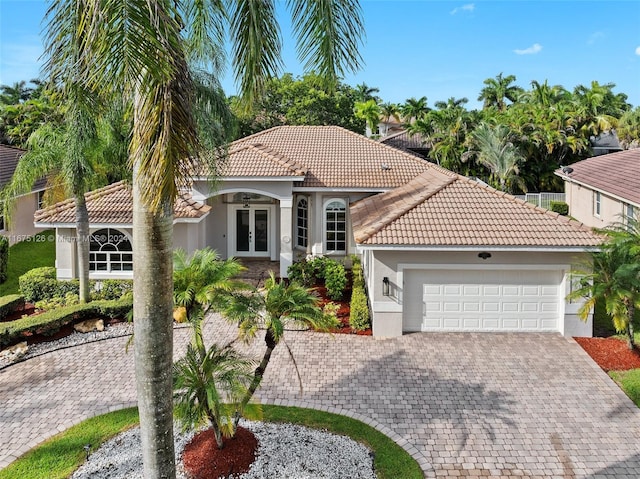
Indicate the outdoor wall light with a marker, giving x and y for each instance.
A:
(385, 286)
(484, 255)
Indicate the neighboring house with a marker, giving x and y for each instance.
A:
(440, 252)
(605, 143)
(404, 141)
(20, 224)
(605, 189)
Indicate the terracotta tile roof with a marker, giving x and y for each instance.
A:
(406, 141)
(337, 158)
(258, 160)
(439, 208)
(9, 157)
(113, 204)
(616, 173)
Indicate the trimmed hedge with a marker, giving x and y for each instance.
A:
(51, 321)
(359, 317)
(559, 207)
(9, 303)
(335, 279)
(38, 284)
(4, 258)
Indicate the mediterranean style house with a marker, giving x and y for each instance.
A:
(440, 252)
(20, 226)
(605, 189)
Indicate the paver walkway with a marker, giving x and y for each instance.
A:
(464, 404)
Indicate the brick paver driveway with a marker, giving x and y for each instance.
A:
(464, 404)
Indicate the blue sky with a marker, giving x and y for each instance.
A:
(438, 49)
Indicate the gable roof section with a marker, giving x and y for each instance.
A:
(617, 174)
(9, 158)
(334, 157)
(113, 204)
(441, 209)
(258, 160)
(404, 140)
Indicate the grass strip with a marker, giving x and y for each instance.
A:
(629, 381)
(36, 251)
(59, 456)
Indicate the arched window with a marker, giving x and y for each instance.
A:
(110, 250)
(335, 226)
(302, 223)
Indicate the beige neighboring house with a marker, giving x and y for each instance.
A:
(440, 252)
(605, 189)
(20, 225)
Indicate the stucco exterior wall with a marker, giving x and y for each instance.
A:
(189, 236)
(387, 311)
(66, 264)
(581, 201)
(20, 225)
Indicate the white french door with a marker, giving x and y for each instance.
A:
(251, 231)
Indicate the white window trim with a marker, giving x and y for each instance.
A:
(326, 203)
(597, 204)
(306, 228)
(100, 274)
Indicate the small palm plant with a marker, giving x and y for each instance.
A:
(209, 383)
(278, 304)
(614, 278)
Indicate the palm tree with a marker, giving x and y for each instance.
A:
(364, 92)
(370, 112)
(494, 150)
(499, 89)
(199, 282)
(16, 93)
(613, 277)
(142, 49)
(272, 309)
(414, 109)
(209, 389)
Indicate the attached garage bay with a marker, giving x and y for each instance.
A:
(482, 300)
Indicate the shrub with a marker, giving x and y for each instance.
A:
(10, 303)
(301, 273)
(38, 284)
(559, 207)
(58, 301)
(359, 318)
(51, 321)
(330, 311)
(4, 258)
(111, 289)
(335, 278)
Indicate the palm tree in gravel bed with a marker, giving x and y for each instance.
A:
(143, 50)
(271, 309)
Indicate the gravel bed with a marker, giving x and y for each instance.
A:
(285, 451)
(74, 339)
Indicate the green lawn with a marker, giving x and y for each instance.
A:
(629, 381)
(40, 250)
(58, 457)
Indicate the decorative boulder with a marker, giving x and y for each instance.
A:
(89, 325)
(15, 352)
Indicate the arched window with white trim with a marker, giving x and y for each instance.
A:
(110, 251)
(302, 222)
(335, 226)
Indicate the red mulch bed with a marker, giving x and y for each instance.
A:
(203, 460)
(611, 354)
(343, 312)
(20, 311)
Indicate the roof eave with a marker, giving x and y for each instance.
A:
(544, 249)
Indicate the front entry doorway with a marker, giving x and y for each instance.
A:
(252, 231)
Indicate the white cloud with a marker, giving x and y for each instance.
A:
(532, 50)
(469, 7)
(594, 37)
(638, 51)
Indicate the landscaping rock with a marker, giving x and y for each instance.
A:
(14, 352)
(89, 325)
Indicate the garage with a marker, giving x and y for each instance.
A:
(482, 300)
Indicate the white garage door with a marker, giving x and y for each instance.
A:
(482, 300)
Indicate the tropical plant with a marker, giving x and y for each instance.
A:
(629, 129)
(370, 112)
(278, 304)
(199, 281)
(208, 389)
(142, 49)
(364, 93)
(613, 277)
(499, 89)
(494, 149)
(414, 109)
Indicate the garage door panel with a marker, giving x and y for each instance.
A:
(509, 300)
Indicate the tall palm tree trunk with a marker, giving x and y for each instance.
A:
(82, 226)
(153, 333)
(630, 338)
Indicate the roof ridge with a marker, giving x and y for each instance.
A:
(279, 158)
(393, 135)
(13, 148)
(410, 205)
